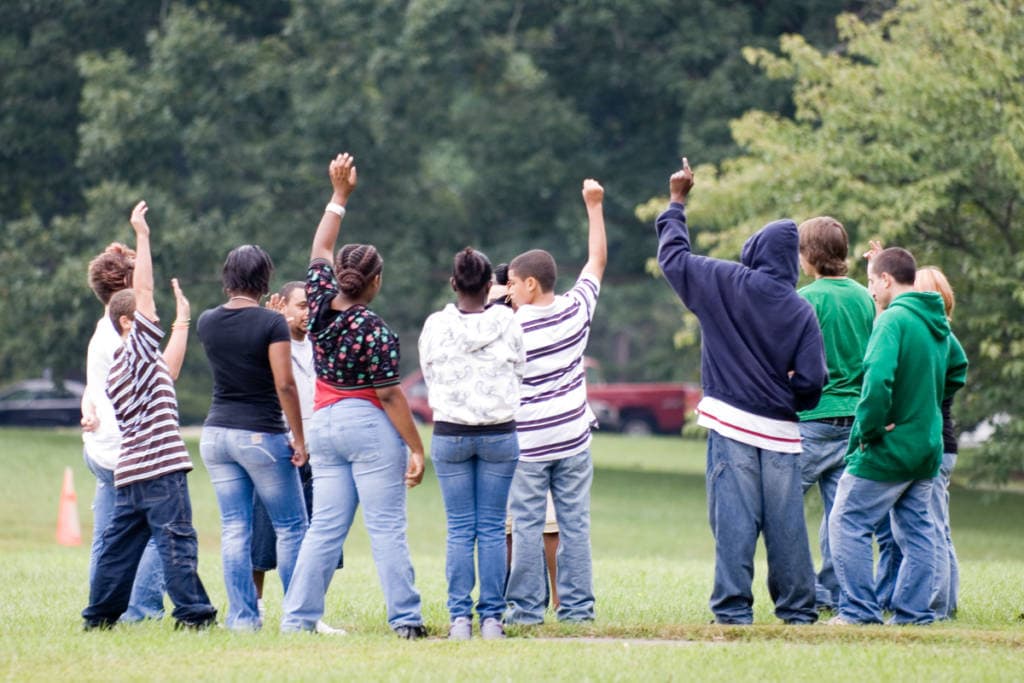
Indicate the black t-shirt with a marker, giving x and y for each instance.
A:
(236, 341)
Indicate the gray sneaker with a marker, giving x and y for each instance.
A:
(491, 629)
(461, 629)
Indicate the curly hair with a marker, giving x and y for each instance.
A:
(471, 271)
(355, 266)
(111, 271)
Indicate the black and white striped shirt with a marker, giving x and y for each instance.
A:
(140, 387)
(553, 420)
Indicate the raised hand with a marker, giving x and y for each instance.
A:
(343, 177)
(183, 311)
(875, 248)
(276, 303)
(138, 218)
(680, 183)
(593, 193)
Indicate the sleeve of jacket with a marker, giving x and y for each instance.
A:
(956, 367)
(810, 371)
(688, 274)
(880, 360)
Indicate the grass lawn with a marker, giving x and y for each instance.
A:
(653, 564)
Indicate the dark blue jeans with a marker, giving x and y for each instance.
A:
(159, 508)
(264, 539)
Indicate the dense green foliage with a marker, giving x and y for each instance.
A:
(912, 134)
(472, 124)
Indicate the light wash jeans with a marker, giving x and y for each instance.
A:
(147, 596)
(860, 506)
(475, 473)
(754, 491)
(947, 569)
(889, 560)
(526, 593)
(239, 462)
(822, 463)
(357, 457)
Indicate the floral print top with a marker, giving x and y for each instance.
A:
(352, 349)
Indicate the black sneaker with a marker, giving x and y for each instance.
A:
(411, 632)
(200, 625)
(98, 624)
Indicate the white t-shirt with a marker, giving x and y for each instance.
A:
(554, 420)
(305, 378)
(104, 444)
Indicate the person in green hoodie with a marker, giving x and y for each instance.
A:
(912, 363)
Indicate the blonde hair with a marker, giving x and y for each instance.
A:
(931, 279)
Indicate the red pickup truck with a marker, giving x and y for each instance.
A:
(628, 407)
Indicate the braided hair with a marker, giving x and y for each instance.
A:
(471, 271)
(355, 266)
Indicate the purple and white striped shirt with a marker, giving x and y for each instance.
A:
(553, 420)
(140, 387)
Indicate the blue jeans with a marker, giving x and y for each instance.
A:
(526, 594)
(159, 508)
(240, 462)
(822, 463)
(357, 457)
(947, 570)
(860, 506)
(147, 597)
(475, 473)
(264, 540)
(754, 491)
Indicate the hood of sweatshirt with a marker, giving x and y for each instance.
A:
(775, 251)
(928, 307)
(470, 332)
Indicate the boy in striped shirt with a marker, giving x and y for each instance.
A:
(152, 494)
(553, 424)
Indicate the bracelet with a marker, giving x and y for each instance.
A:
(336, 209)
(180, 323)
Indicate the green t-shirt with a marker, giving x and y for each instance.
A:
(845, 313)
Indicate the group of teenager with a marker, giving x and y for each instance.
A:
(307, 421)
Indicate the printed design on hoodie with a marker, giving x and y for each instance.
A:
(473, 364)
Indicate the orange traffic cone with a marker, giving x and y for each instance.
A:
(69, 530)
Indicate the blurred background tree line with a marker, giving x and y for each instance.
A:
(475, 123)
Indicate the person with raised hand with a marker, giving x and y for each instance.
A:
(152, 492)
(762, 362)
(364, 444)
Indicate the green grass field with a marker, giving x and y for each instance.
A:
(653, 563)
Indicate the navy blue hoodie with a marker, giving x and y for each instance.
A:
(755, 328)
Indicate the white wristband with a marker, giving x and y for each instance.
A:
(335, 208)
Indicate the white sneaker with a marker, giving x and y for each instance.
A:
(327, 630)
(261, 608)
(492, 629)
(461, 629)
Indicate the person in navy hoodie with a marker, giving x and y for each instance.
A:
(762, 361)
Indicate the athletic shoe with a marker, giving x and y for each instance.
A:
(261, 608)
(461, 629)
(329, 630)
(411, 631)
(491, 629)
(838, 620)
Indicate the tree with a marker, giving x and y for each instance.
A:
(913, 133)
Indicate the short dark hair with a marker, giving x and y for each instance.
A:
(471, 271)
(287, 288)
(355, 266)
(501, 274)
(247, 270)
(825, 245)
(111, 271)
(122, 303)
(898, 262)
(537, 264)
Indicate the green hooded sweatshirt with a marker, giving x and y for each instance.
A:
(912, 362)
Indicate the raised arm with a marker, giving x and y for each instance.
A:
(597, 245)
(174, 353)
(142, 278)
(343, 180)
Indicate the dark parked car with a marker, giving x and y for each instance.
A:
(41, 403)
